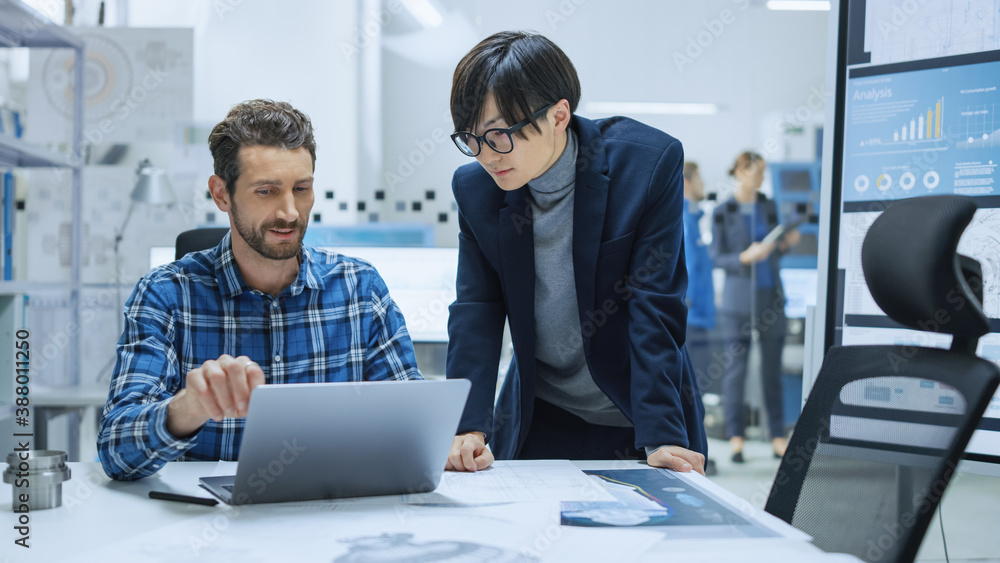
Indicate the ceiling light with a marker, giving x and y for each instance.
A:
(424, 12)
(812, 5)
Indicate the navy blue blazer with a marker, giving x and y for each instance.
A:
(730, 237)
(628, 258)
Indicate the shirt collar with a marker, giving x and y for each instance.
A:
(231, 281)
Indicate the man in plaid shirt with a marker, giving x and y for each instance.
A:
(202, 332)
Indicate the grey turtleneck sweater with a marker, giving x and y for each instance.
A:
(563, 376)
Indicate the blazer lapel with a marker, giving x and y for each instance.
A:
(517, 260)
(589, 206)
(591, 201)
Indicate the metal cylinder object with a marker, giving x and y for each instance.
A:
(39, 475)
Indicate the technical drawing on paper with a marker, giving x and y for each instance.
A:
(400, 548)
(981, 241)
(907, 31)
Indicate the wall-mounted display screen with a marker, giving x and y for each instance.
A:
(920, 97)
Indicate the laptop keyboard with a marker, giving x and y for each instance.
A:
(228, 488)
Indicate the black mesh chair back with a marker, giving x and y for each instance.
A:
(884, 427)
(198, 239)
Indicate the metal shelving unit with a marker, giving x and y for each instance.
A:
(15, 152)
(9, 288)
(22, 26)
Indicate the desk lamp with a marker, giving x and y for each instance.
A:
(153, 188)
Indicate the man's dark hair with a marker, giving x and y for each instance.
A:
(257, 123)
(523, 71)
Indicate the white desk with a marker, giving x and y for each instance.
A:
(97, 513)
(78, 401)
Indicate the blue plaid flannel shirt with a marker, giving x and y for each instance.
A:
(336, 322)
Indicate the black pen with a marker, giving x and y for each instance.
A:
(182, 498)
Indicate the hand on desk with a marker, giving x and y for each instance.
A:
(218, 389)
(678, 459)
(469, 453)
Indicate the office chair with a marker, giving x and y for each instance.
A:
(884, 427)
(198, 239)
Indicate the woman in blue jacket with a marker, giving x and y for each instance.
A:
(752, 297)
(570, 230)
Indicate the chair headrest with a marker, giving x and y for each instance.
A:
(914, 272)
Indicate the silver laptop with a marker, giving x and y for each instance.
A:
(334, 440)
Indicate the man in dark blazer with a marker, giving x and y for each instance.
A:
(581, 251)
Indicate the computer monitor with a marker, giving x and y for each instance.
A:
(915, 115)
(799, 285)
(421, 280)
(797, 194)
(794, 180)
(160, 255)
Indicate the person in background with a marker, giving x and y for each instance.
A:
(202, 332)
(701, 288)
(570, 230)
(752, 297)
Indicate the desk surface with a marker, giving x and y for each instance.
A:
(98, 513)
(87, 395)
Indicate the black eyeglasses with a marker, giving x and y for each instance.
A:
(500, 140)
